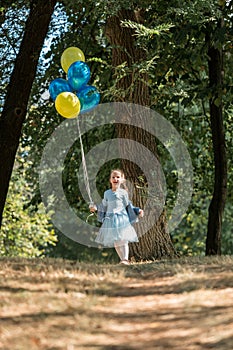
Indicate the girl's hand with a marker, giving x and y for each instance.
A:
(141, 213)
(92, 208)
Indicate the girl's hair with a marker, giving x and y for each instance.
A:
(123, 184)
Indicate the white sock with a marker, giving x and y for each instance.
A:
(122, 249)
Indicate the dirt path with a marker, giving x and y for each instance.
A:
(58, 305)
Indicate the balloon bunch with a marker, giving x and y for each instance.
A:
(72, 95)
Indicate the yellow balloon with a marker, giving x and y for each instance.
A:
(68, 105)
(71, 55)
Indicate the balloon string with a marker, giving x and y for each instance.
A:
(85, 173)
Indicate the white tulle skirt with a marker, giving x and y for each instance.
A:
(116, 227)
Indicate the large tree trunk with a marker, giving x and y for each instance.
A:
(15, 108)
(133, 88)
(216, 208)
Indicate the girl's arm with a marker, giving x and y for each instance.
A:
(138, 211)
(100, 208)
(93, 207)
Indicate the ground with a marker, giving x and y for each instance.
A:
(184, 304)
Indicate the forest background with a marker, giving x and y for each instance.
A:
(174, 37)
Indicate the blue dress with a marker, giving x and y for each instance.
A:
(116, 222)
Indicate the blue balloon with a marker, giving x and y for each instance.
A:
(57, 86)
(89, 97)
(78, 75)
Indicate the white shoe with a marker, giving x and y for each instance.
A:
(124, 262)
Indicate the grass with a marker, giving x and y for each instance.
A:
(50, 304)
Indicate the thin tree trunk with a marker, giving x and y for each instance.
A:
(15, 108)
(216, 208)
(155, 243)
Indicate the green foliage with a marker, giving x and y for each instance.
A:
(143, 31)
(11, 31)
(71, 250)
(227, 230)
(26, 230)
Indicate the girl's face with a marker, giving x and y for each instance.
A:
(115, 179)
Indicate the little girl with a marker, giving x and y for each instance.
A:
(116, 229)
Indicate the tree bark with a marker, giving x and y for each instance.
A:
(217, 204)
(156, 243)
(18, 93)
